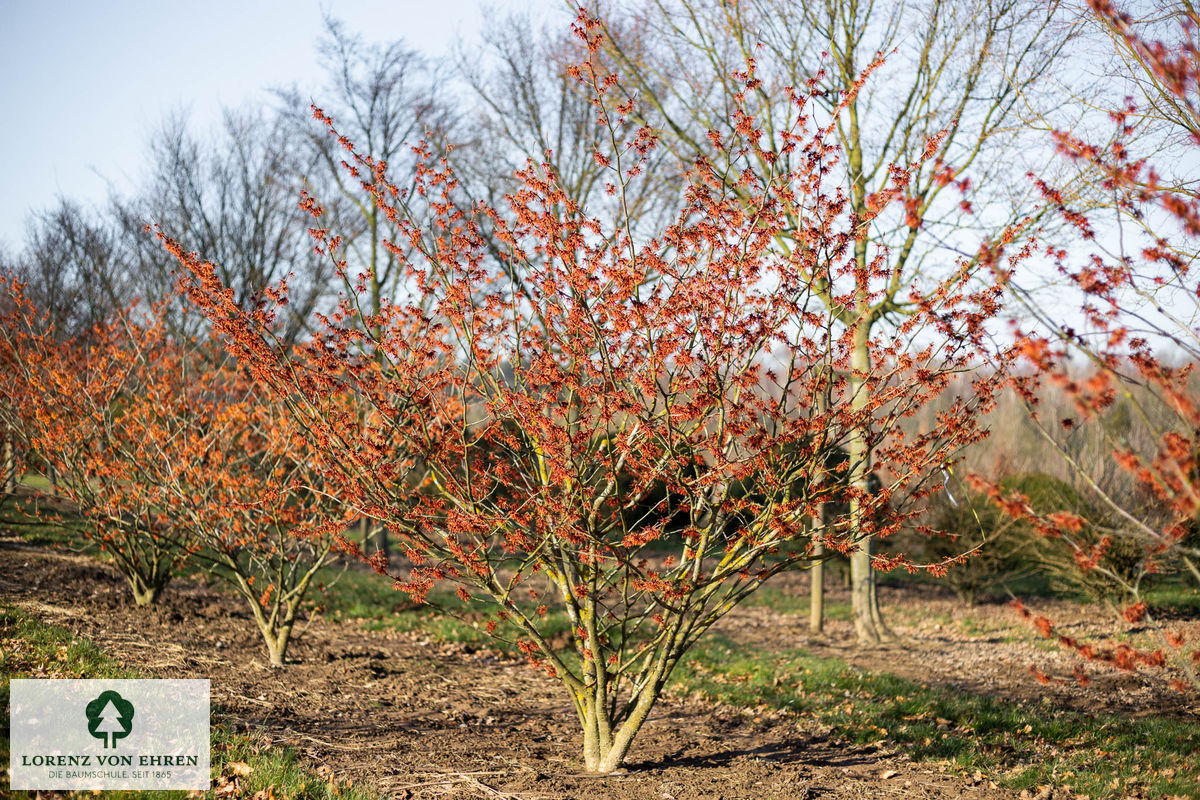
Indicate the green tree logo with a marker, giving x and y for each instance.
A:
(110, 717)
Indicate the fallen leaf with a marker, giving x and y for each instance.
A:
(226, 790)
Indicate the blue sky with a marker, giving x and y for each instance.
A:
(85, 81)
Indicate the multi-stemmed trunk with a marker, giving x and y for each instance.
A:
(605, 747)
(277, 640)
(276, 620)
(147, 563)
(275, 611)
(606, 741)
(276, 623)
(147, 589)
(609, 722)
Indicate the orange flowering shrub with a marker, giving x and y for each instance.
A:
(168, 454)
(508, 414)
(78, 405)
(241, 482)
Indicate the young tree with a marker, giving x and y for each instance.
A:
(1137, 335)
(956, 73)
(507, 434)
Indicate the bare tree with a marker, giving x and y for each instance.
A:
(232, 198)
(386, 99)
(72, 266)
(953, 76)
(529, 108)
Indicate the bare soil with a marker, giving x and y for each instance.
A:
(415, 718)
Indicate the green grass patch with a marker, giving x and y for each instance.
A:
(353, 594)
(785, 602)
(33, 649)
(1176, 595)
(1016, 744)
(31, 519)
(369, 598)
(44, 519)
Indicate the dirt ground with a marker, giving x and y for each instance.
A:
(419, 719)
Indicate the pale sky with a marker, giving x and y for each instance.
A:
(84, 82)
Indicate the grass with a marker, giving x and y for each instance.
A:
(1173, 595)
(22, 518)
(367, 597)
(785, 602)
(36, 520)
(32, 649)
(352, 594)
(1018, 745)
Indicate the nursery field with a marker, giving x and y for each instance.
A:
(382, 699)
(663, 399)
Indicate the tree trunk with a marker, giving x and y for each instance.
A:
(381, 544)
(381, 534)
(379, 541)
(868, 622)
(8, 464)
(816, 608)
(275, 624)
(277, 643)
(816, 601)
(869, 626)
(143, 594)
(604, 750)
